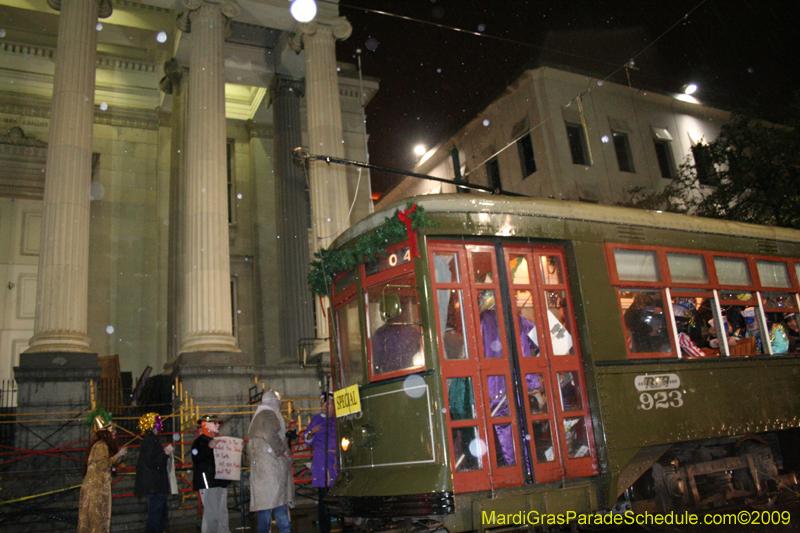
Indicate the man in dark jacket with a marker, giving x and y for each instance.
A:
(151, 473)
(213, 491)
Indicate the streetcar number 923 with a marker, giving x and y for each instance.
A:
(660, 400)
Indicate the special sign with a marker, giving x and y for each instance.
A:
(347, 401)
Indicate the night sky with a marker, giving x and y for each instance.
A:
(741, 53)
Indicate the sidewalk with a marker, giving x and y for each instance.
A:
(303, 521)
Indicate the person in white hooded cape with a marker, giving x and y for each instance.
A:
(271, 483)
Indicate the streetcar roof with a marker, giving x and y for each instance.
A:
(567, 210)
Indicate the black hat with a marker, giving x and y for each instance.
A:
(209, 418)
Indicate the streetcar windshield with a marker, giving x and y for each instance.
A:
(395, 338)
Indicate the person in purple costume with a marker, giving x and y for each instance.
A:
(321, 435)
(498, 391)
(395, 347)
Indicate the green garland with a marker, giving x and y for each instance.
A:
(329, 262)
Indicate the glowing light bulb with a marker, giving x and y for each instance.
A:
(303, 10)
(690, 89)
(419, 149)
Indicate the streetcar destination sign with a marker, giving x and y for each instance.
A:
(347, 401)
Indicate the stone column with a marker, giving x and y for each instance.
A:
(63, 278)
(328, 187)
(297, 315)
(329, 205)
(175, 83)
(206, 271)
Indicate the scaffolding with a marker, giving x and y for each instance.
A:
(44, 478)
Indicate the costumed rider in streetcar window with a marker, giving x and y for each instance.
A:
(684, 320)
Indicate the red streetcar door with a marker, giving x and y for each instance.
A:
(488, 447)
(482, 414)
(551, 370)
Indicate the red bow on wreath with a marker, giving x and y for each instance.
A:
(405, 218)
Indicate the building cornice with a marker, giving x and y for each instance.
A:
(104, 61)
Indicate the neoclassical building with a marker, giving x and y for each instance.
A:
(150, 204)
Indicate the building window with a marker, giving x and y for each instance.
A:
(231, 185)
(526, 158)
(622, 146)
(493, 173)
(235, 308)
(577, 144)
(703, 164)
(665, 161)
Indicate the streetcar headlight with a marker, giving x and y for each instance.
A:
(345, 443)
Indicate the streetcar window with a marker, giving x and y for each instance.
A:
(637, 265)
(498, 395)
(552, 273)
(446, 268)
(460, 398)
(519, 270)
(687, 268)
(397, 344)
(537, 396)
(482, 267)
(349, 330)
(558, 323)
(575, 431)
(797, 270)
(543, 441)
(570, 391)
(490, 332)
(690, 325)
(344, 282)
(773, 273)
(781, 314)
(453, 330)
(468, 449)
(504, 443)
(773, 299)
(645, 323)
(732, 271)
(528, 335)
(783, 332)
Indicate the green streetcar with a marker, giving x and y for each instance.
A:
(550, 357)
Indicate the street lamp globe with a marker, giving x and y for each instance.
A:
(303, 10)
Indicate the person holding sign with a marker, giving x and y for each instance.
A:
(151, 473)
(271, 483)
(321, 435)
(213, 491)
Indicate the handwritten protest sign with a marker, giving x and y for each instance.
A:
(228, 457)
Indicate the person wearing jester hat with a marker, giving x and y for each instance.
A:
(213, 491)
(103, 452)
(151, 473)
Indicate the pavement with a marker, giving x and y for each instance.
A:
(303, 521)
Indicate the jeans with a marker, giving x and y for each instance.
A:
(215, 510)
(281, 517)
(156, 513)
(322, 513)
